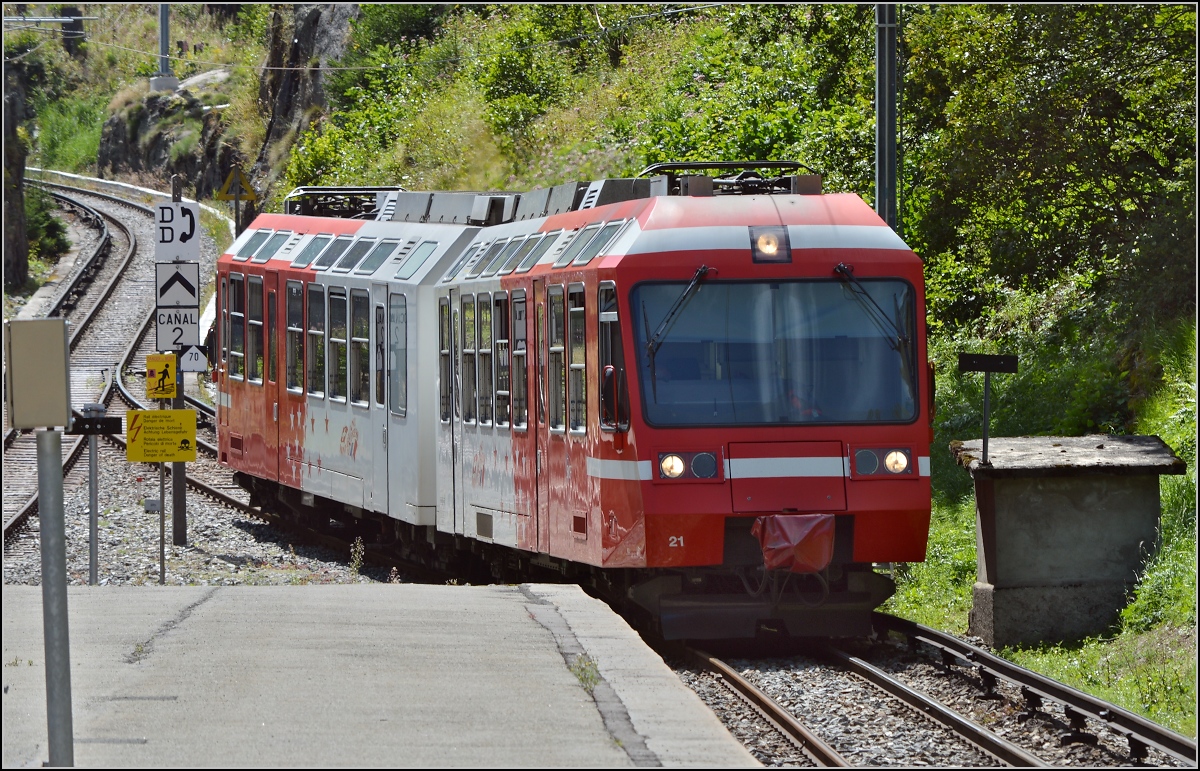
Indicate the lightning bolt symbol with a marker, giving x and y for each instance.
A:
(134, 429)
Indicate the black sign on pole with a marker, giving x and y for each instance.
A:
(987, 364)
(88, 426)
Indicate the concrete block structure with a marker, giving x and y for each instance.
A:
(1063, 527)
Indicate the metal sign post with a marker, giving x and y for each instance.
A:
(179, 468)
(37, 394)
(987, 364)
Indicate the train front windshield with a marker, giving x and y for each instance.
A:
(759, 353)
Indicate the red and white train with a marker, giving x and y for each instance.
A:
(707, 395)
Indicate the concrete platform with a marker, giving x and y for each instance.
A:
(352, 675)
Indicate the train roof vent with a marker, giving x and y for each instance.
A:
(533, 204)
(493, 209)
(606, 191)
(387, 207)
(404, 251)
(412, 207)
(450, 208)
(566, 197)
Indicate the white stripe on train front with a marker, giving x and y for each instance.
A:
(741, 468)
(801, 236)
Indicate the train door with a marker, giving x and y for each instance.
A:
(540, 429)
(271, 372)
(379, 492)
(456, 413)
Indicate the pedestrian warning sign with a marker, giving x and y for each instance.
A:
(160, 376)
(160, 436)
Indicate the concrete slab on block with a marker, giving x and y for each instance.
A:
(1019, 456)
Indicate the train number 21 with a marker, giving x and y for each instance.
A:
(675, 540)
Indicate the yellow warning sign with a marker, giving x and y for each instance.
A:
(160, 376)
(236, 187)
(160, 436)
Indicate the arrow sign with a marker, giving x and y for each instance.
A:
(177, 232)
(177, 284)
(193, 359)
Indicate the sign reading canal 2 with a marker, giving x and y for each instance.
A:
(177, 328)
(177, 229)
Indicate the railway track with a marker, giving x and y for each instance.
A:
(809, 732)
(108, 303)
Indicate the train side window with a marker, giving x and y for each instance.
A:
(468, 359)
(377, 257)
(581, 240)
(415, 260)
(483, 353)
(538, 252)
(614, 415)
(557, 383)
(224, 302)
(500, 342)
(398, 357)
(337, 343)
(520, 375)
(501, 258)
(360, 347)
(251, 246)
(254, 329)
(354, 255)
(477, 267)
(540, 342)
(444, 337)
(457, 266)
(273, 245)
(519, 256)
(311, 250)
(577, 378)
(272, 333)
(237, 324)
(316, 340)
(380, 355)
(330, 255)
(295, 336)
(598, 243)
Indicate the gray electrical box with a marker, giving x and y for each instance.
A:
(37, 373)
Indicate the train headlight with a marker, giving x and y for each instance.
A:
(770, 244)
(671, 465)
(896, 461)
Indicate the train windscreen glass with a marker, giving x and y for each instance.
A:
(765, 353)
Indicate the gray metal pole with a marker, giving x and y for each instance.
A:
(164, 39)
(60, 731)
(162, 522)
(885, 113)
(93, 411)
(987, 393)
(178, 470)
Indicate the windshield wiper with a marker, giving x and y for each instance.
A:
(893, 334)
(655, 341)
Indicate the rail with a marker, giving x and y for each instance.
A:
(1137, 730)
(809, 743)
